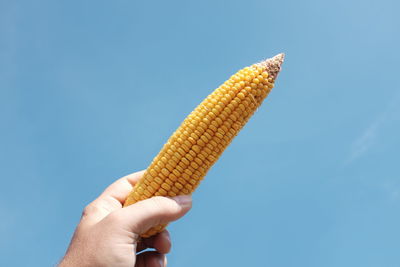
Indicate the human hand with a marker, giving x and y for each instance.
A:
(109, 235)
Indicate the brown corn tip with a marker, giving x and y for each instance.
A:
(273, 64)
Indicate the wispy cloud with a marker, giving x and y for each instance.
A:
(363, 143)
(368, 137)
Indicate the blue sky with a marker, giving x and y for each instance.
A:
(90, 90)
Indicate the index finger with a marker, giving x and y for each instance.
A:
(120, 189)
(111, 199)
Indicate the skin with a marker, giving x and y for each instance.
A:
(109, 235)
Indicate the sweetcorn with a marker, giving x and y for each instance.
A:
(202, 137)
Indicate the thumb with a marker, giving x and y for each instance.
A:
(145, 214)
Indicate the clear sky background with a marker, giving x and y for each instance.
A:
(90, 91)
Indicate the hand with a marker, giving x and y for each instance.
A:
(109, 235)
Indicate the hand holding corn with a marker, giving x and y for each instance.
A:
(108, 235)
(202, 137)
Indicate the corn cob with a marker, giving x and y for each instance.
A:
(202, 137)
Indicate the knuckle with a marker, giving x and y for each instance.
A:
(89, 209)
(101, 206)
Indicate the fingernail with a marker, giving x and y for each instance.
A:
(184, 200)
(167, 236)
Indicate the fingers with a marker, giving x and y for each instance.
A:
(161, 242)
(151, 259)
(110, 200)
(121, 188)
(143, 215)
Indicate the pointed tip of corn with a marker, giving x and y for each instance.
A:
(279, 58)
(273, 65)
